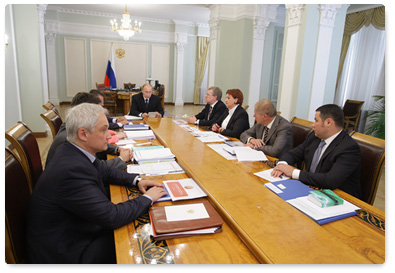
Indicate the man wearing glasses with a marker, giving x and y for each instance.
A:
(213, 109)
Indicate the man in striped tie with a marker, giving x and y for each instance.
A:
(332, 157)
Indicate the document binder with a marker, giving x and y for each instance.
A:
(163, 229)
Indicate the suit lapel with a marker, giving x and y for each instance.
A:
(273, 128)
(330, 148)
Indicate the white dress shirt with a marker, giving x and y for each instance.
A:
(226, 120)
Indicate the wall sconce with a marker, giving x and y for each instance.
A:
(6, 41)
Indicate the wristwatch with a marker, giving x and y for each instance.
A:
(138, 180)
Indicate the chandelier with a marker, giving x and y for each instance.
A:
(126, 30)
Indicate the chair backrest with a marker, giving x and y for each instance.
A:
(50, 106)
(245, 106)
(352, 113)
(100, 86)
(25, 143)
(372, 163)
(161, 94)
(129, 85)
(53, 120)
(17, 196)
(300, 130)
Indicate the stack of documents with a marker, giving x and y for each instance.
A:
(219, 148)
(296, 193)
(206, 137)
(153, 155)
(134, 127)
(142, 134)
(160, 167)
(183, 189)
(129, 117)
(245, 153)
(184, 220)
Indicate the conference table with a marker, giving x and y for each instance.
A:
(259, 227)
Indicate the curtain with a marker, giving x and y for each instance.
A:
(364, 70)
(200, 66)
(354, 22)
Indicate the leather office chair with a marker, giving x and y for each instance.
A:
(129, 86)
(100, 86)
(110, 101)
(17, 196)
(301, 128)
(25, 143)
(50, 106)
(352, 113)
(372, 163)
(53, 120)
(161, 95)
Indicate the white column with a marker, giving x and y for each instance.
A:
(213, 23)
(43, 60)
(264, 15)
(51, 63)
(289, 80)
(326, 25)
(181, 40)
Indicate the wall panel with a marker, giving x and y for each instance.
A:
(75, 61)
(161, 65)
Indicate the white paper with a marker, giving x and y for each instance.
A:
(129, 117)
(134, 168)
(186, 212)
(248, 154)
(153, 154)
(266, 174)
(317, 213)
(206, 137)
(123, 142)
(219, 148)
(143, 134)
(161, 167)
(191, 188)
(273, 188)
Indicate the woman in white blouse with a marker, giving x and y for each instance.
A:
(234, 121)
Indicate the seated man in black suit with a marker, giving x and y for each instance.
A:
(332, 157)
(71, 218)
(213, 109)
(272, 134)
(124, 154)
(113, 123)
(145, 102)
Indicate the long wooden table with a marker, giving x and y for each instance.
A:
(260, 226)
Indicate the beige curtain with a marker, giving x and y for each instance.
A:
(354, 22)
(200, 66)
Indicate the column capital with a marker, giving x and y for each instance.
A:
(42, 9)
(294, 13)
(328, 14)
(181, 40)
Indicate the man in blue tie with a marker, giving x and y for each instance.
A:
(331, 156)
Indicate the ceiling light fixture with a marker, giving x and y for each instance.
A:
(126, 30)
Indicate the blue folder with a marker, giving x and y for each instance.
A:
(295, 189)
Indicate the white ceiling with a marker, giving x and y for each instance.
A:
(181, 12)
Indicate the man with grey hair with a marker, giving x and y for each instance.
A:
(71, 217)
(213, 109)
(271, 134)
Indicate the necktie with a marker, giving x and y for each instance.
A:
(146, 105)
(209, 112)
(265, 133)
(316, 156)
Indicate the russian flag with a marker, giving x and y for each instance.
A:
(110, 79)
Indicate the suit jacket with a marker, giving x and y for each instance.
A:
(217, 112)
(61, 137)
(70, 206)
(339, 166)
(279, 138)
(138, 105)
(238, 123)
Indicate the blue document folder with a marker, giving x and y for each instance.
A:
(292, 189)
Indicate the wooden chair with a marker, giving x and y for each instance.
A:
(53, 120)
(50, 106)
(129, 86)
(352, 113)
(245, 106)
(161, 95)
(17, 196)
(372, 163)
(110, 101)
(25, 143)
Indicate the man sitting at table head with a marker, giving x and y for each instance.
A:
(145, 102)
(71, 218)
(119, 162)
(213, 109)
(113, 123)
(331, 156)
(271, 134)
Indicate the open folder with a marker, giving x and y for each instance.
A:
(296, 194)
(176, 221)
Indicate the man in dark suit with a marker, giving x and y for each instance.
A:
(213, 109)
(332, 157)
(146, 102)
(271, 134)
(71, 217)
(119, 162)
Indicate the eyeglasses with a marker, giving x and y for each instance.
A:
(207, 94)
